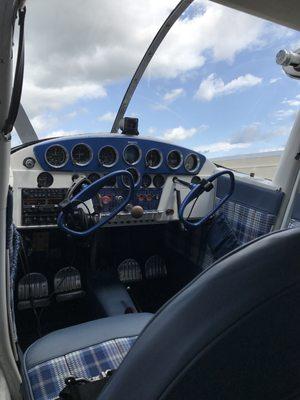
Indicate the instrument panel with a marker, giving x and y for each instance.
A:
(135, 154)
(44, 171)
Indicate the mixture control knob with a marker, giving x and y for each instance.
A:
(137, 211)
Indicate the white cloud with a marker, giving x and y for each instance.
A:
(292, 103)
(109, 117)
(220, 147)
(270, 149)
(67, 60)
(274, 80)
(173, 94)
(181, 133)
(72, 114)
(254, 132)
(43, 122)
(39, 98)
(282, 114)
(213, 86)
(61, 132)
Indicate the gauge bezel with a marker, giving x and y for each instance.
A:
(146, 187)
(198, 162)
(181, 159)
(135, 184)
(48, 175)
(117, 156)
(153, 181)
(139, 150)
(160, 155)
(91, 155)
(65, 150)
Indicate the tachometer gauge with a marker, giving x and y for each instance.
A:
(159, 181)
(191, 162)
(108, 156)
(56, 156)
(81, 154)
(146, 181)
(174, 159)
(153, 158)
(136, 177)
(132, 154)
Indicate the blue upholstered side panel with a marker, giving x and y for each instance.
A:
(252, 196)
(247, 223)
(252, 210)
(47, 379)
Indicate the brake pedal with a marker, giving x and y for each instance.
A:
(33, 291)
(67, 284)
(130, 271)
(155, 268)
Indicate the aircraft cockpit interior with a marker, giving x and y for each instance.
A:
(135, 266)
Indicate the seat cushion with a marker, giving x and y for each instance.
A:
(83, 350)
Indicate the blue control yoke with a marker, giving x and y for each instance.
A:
(87, 193)
(196, 190)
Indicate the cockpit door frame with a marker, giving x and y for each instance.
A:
(8, 364)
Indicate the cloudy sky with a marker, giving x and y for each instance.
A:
(212, 86)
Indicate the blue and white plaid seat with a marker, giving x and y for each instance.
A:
(45, 376)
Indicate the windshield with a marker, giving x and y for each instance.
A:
(213, 84)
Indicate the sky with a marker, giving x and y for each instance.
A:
(213, 85)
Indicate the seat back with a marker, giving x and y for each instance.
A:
(233, 333)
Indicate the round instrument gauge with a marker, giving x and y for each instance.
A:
(56, 156)
(81, 154)
(174, 159)
(153, 158)
(93, 177)
(159, 181)
(136, 177)
(191, 162)
(44, 180)
(146, 181)
(108, 156)
(132, 154)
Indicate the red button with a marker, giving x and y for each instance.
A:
(106, 199)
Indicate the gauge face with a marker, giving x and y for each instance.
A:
(146, 181)
(132, 154)
(174, 159)
(191, 162)
(108, 156)
(56, 156)
(136, 177)
(81, 154)
(94, 177)
(44, 180)
(153, 158)
(158, 181)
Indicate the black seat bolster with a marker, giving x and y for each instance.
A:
(212, 304)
